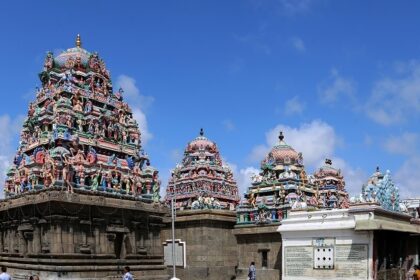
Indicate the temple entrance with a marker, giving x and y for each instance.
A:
(118, 242)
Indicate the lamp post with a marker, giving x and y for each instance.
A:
(173, 239)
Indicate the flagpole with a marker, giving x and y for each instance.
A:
(173, 239)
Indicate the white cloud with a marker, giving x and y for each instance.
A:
(354, 177)
(137, 103)
(404, 144)
(406, 178)
(10, 130)
(243, 176)
(394, 99)
(316, 140)
(294, 106)
(298, 44)
(336, 87)
(294, 7)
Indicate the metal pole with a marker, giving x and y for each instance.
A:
(173, 238)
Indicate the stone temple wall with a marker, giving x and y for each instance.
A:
(211, 248)
(217, 249)
(80, 236)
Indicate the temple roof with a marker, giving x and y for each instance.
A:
(282, 154)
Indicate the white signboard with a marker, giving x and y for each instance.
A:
(180, 253)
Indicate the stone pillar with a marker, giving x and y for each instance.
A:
(21, 243)
(150, 247)
(1, 241)
(97, 240)
(36, 244)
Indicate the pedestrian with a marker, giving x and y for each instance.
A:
(127, 274)
(36, 277)
(252, 272)
(31, 278)
(4, 275)
(416, 274)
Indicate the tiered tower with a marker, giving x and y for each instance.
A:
(80, 193)
(80, 134)
(281, 185)
(380, 189)
(202, 180)
(331, 187)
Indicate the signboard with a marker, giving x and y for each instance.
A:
(345, 261)
(180, 253)
(298, 261)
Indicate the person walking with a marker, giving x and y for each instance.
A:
(252, 272)
(416, 274)
(127, 274)
(4, 275)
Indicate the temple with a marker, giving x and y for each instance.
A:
(202, 180)
(81, 188)
(283, 184)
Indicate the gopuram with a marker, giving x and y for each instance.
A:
(205, 195)
(283, 185)
(201, 180)
(82, 200)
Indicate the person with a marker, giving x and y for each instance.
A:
(4, 275)
(252, 272)
(31, 278)
(127, 274)
(36, 277)
(416, 274)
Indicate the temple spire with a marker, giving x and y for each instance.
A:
(201, 132)
(78, 41)
(281, 136)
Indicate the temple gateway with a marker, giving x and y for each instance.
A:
(82, 201)
(81, 198)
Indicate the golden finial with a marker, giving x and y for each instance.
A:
(78, 41)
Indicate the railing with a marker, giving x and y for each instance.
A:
(392, 274)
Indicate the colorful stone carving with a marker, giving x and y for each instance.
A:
(79, 136)
(380, 189)
(202, 180)
(283, 184)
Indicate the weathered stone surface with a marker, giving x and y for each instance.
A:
(80, 236)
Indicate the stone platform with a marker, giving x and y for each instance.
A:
(80, 235)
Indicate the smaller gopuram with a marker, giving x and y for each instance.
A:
(281, 185)
(330, 186)
(82, 200)
(380, 189)
(205, 195)
(202, 180)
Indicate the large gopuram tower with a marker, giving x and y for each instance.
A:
(82, 200)
(202, 180)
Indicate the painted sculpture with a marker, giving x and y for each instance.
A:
(79, 135)
(283, 185)
(202, 180)
(381, 189)
(330, 186)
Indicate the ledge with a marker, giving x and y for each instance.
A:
(54, 195)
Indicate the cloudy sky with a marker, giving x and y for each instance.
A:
(340, 78)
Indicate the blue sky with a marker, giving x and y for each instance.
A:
(341, 78)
